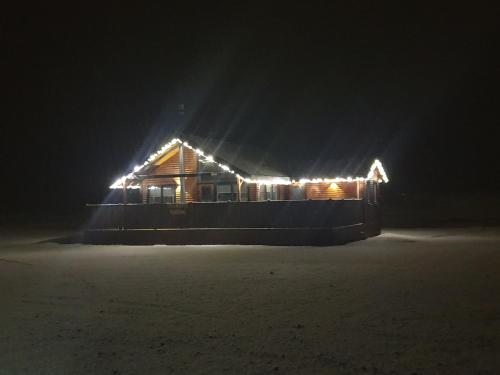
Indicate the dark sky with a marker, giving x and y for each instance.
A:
(88, 91)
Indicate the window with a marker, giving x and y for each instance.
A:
(268, 192)
(227, 192)
(161, 194)
(271, 192)
(154, 194)
(168, 194)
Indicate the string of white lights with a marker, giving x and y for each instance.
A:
(377, 165)
(119, 183)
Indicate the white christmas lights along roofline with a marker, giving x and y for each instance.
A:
(118, 184)
(377, 165)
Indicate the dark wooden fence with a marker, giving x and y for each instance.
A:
(236, 222)
(269, 214)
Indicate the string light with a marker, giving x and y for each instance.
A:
(377, 165)
(119, 183)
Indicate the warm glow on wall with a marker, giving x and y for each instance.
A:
(334, 186)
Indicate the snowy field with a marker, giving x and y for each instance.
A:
(406, 302)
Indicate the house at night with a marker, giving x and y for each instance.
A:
(180, 173)
(205, 191)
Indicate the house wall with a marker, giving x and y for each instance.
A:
(315, 191)
(341, 190)
(172, 166)
(253, 192)
(191, 190)
(191, 187)
(283, 192)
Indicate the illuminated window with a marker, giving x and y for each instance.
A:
(161, 194)
(154, 194)
(168, 193)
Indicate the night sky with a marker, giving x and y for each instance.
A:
(89, 91)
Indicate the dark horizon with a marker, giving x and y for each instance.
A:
(90, 92)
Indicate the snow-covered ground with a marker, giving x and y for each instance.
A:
(406, 302)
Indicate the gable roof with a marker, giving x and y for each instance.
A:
(252, 166)
(248, 161)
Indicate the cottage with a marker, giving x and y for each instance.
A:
(180, 172)
(203, 191)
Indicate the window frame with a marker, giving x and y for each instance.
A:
(162, 197)
(264, 192)
(233, 192)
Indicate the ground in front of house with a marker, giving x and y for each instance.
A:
(406, 302)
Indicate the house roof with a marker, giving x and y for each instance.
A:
(248, 161)
(254, 166)
(330, 167)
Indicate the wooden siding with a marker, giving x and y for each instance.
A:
(283, 192)
(318, 191)
(191, 187)
(362, 190)
(172, 164)
(325, 191)
(253, 192)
